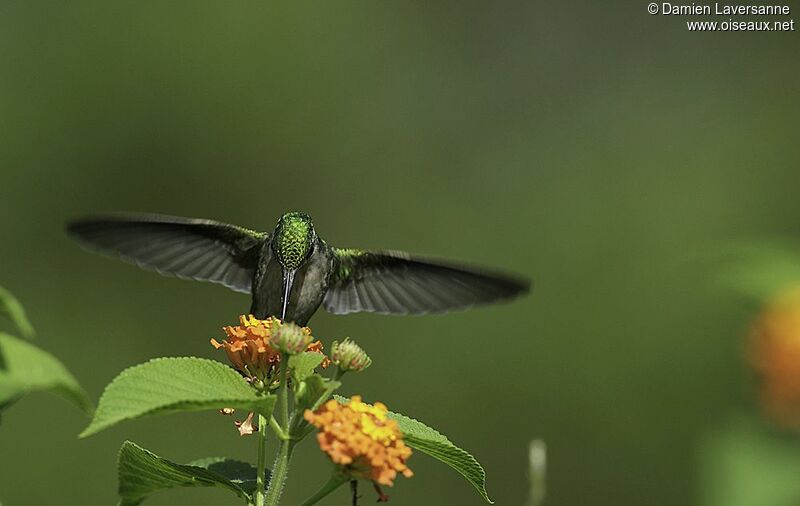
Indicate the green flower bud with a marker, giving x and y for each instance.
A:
(290, 338)
(349, 356)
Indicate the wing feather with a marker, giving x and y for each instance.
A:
(202, 250)
(394, 282)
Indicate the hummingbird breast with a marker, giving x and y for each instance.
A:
(310, 285)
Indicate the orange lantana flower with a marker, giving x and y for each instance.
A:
(249, 349)
(317, 346)
(775, 354)
(361, 438)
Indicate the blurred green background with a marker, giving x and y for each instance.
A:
(599, 150)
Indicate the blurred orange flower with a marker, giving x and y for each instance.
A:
(775, 354)
(361, 438)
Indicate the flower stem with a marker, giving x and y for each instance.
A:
(332, 484)
(280, 470)
(339, 373)
(277, 429)
(262, 461)
(283, 393)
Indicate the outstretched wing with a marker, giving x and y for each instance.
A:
(202, 250)
(393, 282)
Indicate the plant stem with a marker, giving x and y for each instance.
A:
(281, 467)
(332, 484)
(262, 461)
(338, 374)
(354, 491)
(277, 429)
(283, 393)
(279, 472)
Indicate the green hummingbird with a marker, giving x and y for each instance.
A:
(291, 271)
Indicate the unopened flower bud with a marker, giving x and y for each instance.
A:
(349, 356)
(290, 338)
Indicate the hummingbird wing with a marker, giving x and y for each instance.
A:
(202, 250)
(394, 282)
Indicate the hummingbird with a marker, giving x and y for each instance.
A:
(291, 271)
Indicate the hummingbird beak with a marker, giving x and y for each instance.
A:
(288, 281)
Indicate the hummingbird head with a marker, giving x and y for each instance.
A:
(293, 239)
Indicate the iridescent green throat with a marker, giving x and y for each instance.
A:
(293, 238)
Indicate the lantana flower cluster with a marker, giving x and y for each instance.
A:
(361, 438)
(251, 350)
(775, 355)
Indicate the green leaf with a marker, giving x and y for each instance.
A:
(141, 473)
(420, 437)
(11, 307)
(314, 391)
(24, 368)
(746, 462)
(761, 270)
(172, 385)
(303, 364)
(242, 474)
(310, 394)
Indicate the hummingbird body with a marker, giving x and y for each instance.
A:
(290, 271)
(308, 288)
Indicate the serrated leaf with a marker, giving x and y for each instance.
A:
(172, 385)
(11, 307)
(420, 437)
(241, 474)
(303, 364)
(142, 473)
(24, 368)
